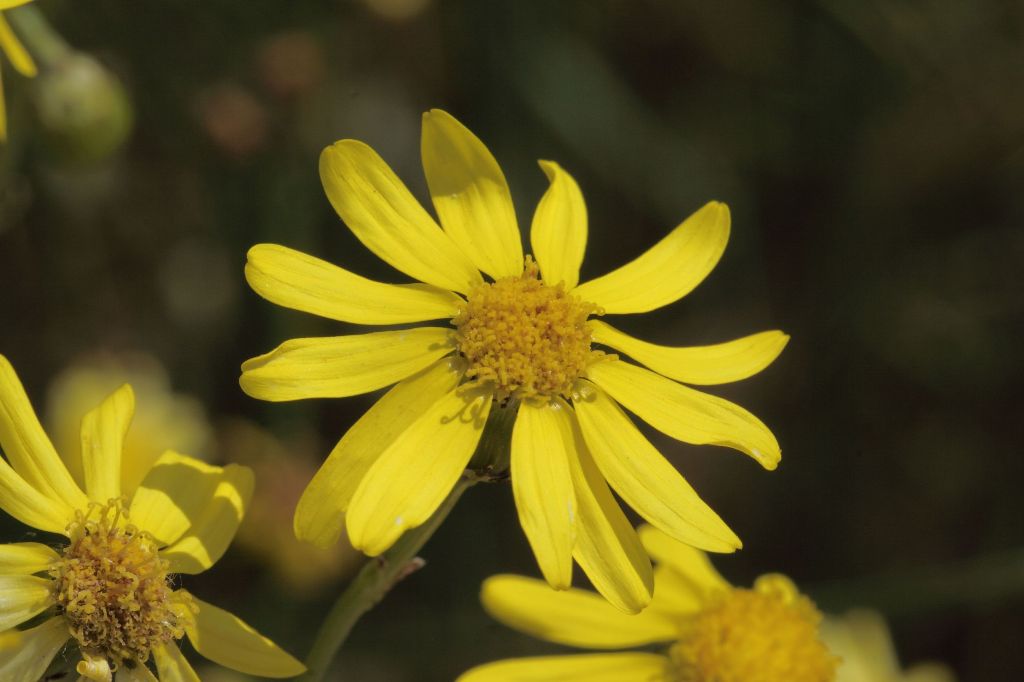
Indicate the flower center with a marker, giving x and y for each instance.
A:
(767, 634)
(525, 338)
(113, 589)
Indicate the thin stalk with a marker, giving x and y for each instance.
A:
(375, 580)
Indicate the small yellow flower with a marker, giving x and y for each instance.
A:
(521, 341)
(110, 588)
(710, 631)
(21, 60)
(863, 642)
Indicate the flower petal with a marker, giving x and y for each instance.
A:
(574, 617)
(684, 413)
(28, 449)
(226, 639)
(319, 517)
(172, 665)
(212, 531)
(668, 270)
(559, 232)
(11, 4)
(645, 479)
(387, 219)
(103, 432)
(542, 487)
(26, 654)
(26, 558)
(470, 195)
(296, 280)
(30, 506)
(21, 597)
(720, 363)
(139, 673)
(607, 547)
(631, 667)
(3, 109)
(676, 595)
(20, 58)
(689, 562)
(416, 471)
(173, 495)
(340, 366)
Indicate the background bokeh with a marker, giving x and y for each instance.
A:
(871, 153)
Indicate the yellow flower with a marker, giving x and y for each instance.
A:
(710, 631)
(16, 52)
(110, 589)
(522, 341)
(862, 639)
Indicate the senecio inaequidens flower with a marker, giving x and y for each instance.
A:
(703, 629)
(523, 338)
(109, 589)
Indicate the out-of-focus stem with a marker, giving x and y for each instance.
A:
(46, 46)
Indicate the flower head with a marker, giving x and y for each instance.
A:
(110, 588)
(524, 341)
(20, 59)
(708, 631)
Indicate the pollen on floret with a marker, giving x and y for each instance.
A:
(767, 634)
(113, 589)
(523, 337)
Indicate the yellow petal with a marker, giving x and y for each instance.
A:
(470, 195)
(27, 447)
(559, 232)
(103, 432)
(212, 531)
(319, 517)
(607, 548)
(720, 363)
(26, 558)
(226, 639)
(339, 366)
(171, 664)
(542, 487)
(139, 673)
(667, 271)
(645, 479)
(295, 280)
(10, 4)
(416, 471)
(173, 495)
(21, 597)
(30, 506)
(388, 220)
(574, 617)
(16, 52)
(690, 563)
(684, 413)
(3, 109)
(94, 667)
(26, 654)
(676, 595)
(631, 667)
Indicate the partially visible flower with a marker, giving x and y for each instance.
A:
(862, 639)
(20, 59)
(163, 420)
(704, 630)
(520, 347)
(110, 589)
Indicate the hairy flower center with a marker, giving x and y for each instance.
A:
(525, 338)
(768, 634)
(113, 589)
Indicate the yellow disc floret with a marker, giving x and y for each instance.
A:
(523, 337)
(767, 634)
(113, 589)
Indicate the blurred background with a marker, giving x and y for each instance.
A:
(872, 154)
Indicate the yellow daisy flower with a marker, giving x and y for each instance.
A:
(707, 630)
(110, 589)
(521, 346)
(21, 60)
(862, 639)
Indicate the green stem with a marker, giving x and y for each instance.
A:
(43, 42)
(374, 580)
